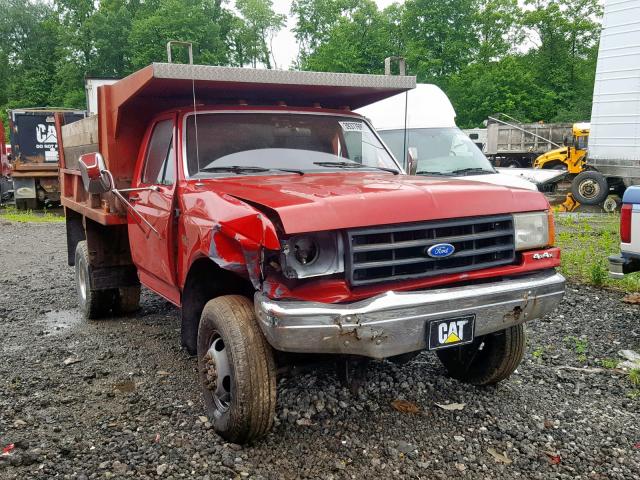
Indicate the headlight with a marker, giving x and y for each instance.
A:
(532, 230)
(312, 255)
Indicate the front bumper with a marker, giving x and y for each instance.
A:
(396, 323)
(619, 266)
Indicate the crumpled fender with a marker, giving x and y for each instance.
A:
(237, 245)
(229, 232)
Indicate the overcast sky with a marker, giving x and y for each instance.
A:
(285, 47)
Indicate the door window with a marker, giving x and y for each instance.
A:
(160, 163)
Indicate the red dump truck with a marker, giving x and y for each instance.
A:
(276, 220)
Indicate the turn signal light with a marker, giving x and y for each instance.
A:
(552, 228)
(625, 223)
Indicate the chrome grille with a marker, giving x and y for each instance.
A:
(399, 252)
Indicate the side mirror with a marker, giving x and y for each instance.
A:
(95, 176)
(412, 160)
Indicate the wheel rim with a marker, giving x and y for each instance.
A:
(82, 283)
(217, 373)
(589, 188)
(609, 205)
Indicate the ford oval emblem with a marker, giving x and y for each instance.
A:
(440, 250)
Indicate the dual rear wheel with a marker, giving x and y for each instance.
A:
(94, 303)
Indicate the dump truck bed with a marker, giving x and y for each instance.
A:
(126, 107)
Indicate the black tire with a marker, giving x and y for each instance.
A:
(127, 299)
(241, 405)
(94, 304)
(489, 359)
(590, 188)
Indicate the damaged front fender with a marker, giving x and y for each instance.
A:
(235, 240)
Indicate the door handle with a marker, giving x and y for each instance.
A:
(134, 198)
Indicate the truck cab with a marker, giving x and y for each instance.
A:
(278, 222)
(570, 157)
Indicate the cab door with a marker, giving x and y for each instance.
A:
(153, 252)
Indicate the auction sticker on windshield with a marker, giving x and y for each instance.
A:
(351, 126)
(450, 332)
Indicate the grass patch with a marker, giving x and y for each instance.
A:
(579, 345)
(586, 242)
(609, 363)
(538, 353)
(28, 216)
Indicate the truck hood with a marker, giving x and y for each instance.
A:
(504, 180)
(330, 201)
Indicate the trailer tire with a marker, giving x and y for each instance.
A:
(93, 303)
(488, 359)
(236, 369)
(127, 299)
(590, 187)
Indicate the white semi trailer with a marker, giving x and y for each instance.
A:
(613, 158)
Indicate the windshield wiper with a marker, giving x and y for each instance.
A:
(240, 169)
(465, 171)
(453, 173)
(354, 165)
(442, 174)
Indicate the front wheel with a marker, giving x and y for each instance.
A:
(488, 359)
(236, 369)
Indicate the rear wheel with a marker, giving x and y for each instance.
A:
(489, 359)
(590, 187)
(93, 303)
(236, 370)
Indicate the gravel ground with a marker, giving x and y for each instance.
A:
(118, 398)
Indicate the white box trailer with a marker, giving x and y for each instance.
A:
(91, 85)
(613, 158)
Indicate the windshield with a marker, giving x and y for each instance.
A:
(438, 151)
(581, 143)
(228, 143)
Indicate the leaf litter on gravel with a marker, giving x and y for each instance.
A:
(499, 457)
(632, 298)
(451, 406)
(404, 406)
(554, 458)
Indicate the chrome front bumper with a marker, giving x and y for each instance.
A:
(395, 323)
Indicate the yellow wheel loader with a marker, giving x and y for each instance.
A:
(570, 157)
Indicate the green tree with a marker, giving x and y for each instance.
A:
(357, 37)
(202, 22)
(29, 35)
(259, 23)
(499, 28)
(440, 36)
